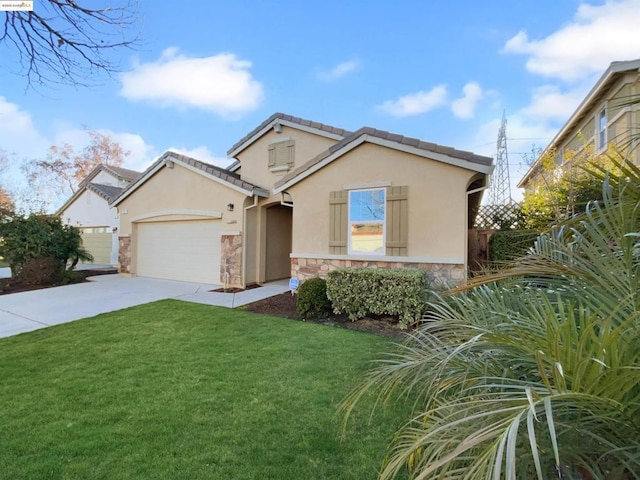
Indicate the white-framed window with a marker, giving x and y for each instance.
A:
(366, 224)
(602, 128)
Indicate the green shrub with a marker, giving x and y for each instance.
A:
(312, 299)
(506, 245)
(362, 291)
(30, 243)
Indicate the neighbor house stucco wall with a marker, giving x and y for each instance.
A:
(623, 123)
(437, 201)
(89, 209)
(105, 178)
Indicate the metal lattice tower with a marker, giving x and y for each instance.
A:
(500, 189)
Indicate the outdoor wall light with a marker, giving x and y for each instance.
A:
(230, 207)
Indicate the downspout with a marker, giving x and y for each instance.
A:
(244, 240)
(283, 202)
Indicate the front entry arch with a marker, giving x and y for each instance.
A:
(279, 223)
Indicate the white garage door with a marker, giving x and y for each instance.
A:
(187, 251)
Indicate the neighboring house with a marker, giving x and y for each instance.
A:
(302, 198)
(89, 209)
(605, 117)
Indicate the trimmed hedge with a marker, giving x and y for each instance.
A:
(359, 292)
(506, 245)
(312, 299)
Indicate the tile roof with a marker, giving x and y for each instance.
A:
(289, 118)
(392, 137)
(221, 173)
(108, 192)
(124, 173)
(118, 172)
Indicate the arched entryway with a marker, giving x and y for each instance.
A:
(279, 222)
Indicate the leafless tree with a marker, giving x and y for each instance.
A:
(70, 41)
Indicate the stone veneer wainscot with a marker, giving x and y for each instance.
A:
(440, 274)
(231, 260)
(124, 254)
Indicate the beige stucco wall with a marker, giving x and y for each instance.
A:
(255, 158)
(437, 201)
(178, 193)
(621, 124)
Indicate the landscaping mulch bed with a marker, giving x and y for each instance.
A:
(12, 285)
(284, 305)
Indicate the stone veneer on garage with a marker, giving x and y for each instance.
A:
(231, 260)
(124, 254)
(440, 274)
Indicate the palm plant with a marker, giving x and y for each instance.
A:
(532, 371)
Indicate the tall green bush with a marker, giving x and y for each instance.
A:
(506, 245)
(29, 239)
(362, 291)
(312, 299)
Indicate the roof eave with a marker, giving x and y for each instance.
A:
(283, 185)
(277, 120)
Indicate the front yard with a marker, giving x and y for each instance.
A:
(184, 391)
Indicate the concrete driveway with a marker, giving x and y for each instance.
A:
(27, 311)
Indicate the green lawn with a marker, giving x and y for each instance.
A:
(175, 390)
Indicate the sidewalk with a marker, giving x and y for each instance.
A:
(27, 311)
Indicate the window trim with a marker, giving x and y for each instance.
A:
(601, 133)
(383, 222)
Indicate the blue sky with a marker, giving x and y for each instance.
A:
(206, 73)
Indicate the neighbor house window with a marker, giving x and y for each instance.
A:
(281, 155)
(366, 229)
(602, 129)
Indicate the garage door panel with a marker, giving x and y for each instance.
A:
(187, 251)
(97, 241)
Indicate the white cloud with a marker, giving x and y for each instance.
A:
(465, 107)
(340, 70)
(550, 102)
(597, 36)
(203, 154)
(416, 103)
(18, 134)
(220, 83)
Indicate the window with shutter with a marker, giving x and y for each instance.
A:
(369, 221)
(366, 225)
(281, 155)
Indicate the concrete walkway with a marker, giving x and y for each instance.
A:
(27, 311)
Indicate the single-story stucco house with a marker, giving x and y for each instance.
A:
(302, 198)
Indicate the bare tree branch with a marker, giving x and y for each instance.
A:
(65, 42)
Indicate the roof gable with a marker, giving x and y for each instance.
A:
(293, 122)
(602, 86)
(217, 174)
(119, 173)
(449, 155)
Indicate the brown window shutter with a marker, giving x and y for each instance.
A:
(272, 155)
(291, 153)
(338, 219)
(397, 220)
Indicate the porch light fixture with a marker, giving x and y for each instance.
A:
(230, 207)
